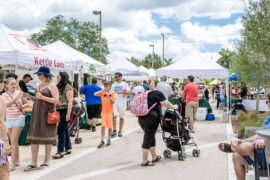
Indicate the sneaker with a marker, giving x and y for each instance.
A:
(108, 142)
(113, 134)
(88, 127)
(93, 129)
(120, 134)
(102, 143)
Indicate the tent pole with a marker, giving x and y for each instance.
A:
(228, 98)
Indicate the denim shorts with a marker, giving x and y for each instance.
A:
(19, 122)
(261, 159)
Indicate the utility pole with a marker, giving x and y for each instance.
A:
(153, 53)
(162, 48)
(100, 32)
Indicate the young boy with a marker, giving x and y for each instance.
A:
(107, 99)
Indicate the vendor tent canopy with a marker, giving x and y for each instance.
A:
(196, 64)
(16, 50)
(80, 60)
(125, 67)
(215, 82)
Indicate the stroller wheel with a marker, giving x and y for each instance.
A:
(78, 140)
(182, 156)
(196, 153)
(167, 154)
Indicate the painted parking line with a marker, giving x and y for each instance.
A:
(71, 159)
(115, 168)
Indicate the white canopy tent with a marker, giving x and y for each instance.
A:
(125, 67)
(80, 61)
(196, 64)
(19, 52)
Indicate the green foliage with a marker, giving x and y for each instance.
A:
(151, 61)
(249, 119)
(83, 36)
(226, 58)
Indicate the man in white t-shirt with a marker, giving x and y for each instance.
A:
(165, 88)
(121, 90)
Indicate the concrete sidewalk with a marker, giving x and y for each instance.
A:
(122, 159)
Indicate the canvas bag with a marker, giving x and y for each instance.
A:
(139, 104)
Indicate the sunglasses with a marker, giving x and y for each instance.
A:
(108, 95)
(116, 76)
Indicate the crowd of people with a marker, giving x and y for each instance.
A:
(108, 101)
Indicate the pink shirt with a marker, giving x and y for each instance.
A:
(191, 91)
(13, 111)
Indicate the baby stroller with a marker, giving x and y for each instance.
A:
(176, 135)
(77, 113)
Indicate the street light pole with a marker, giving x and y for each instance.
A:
(153, 52)
(162, 48)
(100, 32)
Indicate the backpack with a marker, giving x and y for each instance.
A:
(139, 104)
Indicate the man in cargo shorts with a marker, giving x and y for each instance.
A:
(191, 92)
(121, 90)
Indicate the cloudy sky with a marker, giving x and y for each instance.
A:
(131, 25)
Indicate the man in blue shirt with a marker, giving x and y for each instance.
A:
(93, 103)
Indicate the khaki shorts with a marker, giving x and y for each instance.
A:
(119, 110)
(191, 109)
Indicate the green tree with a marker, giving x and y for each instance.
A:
(83, 36)
(167, 62)
(134, 60)
(226, 58)
(252, 71)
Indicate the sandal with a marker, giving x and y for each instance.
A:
(226, 147)
(68, 152)
(158, 158)
(30, 168)
(58, 156)
(148, 163)
(44, 165)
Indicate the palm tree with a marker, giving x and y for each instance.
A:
(167, 62)
(226, 58)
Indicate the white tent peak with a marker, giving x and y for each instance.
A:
(196, 64)
(71, 53)
(125, 67)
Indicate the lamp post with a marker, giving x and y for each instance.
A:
(100, 31)
(153, 52)
(162, 48)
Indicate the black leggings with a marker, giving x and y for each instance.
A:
(149, 125)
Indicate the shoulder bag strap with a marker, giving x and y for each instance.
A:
(153, 104)
(16, 104)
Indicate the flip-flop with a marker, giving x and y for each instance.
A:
(58, 156)
(67, 152)
(227, 148)
(158, 158)
(30, 168)
(148, 163)
(44, 165)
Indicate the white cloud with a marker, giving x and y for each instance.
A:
(125, 21)
(203, 8)
(211, 34)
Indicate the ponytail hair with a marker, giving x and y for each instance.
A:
(152, 83)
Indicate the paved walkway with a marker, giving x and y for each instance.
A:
(122, 159)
